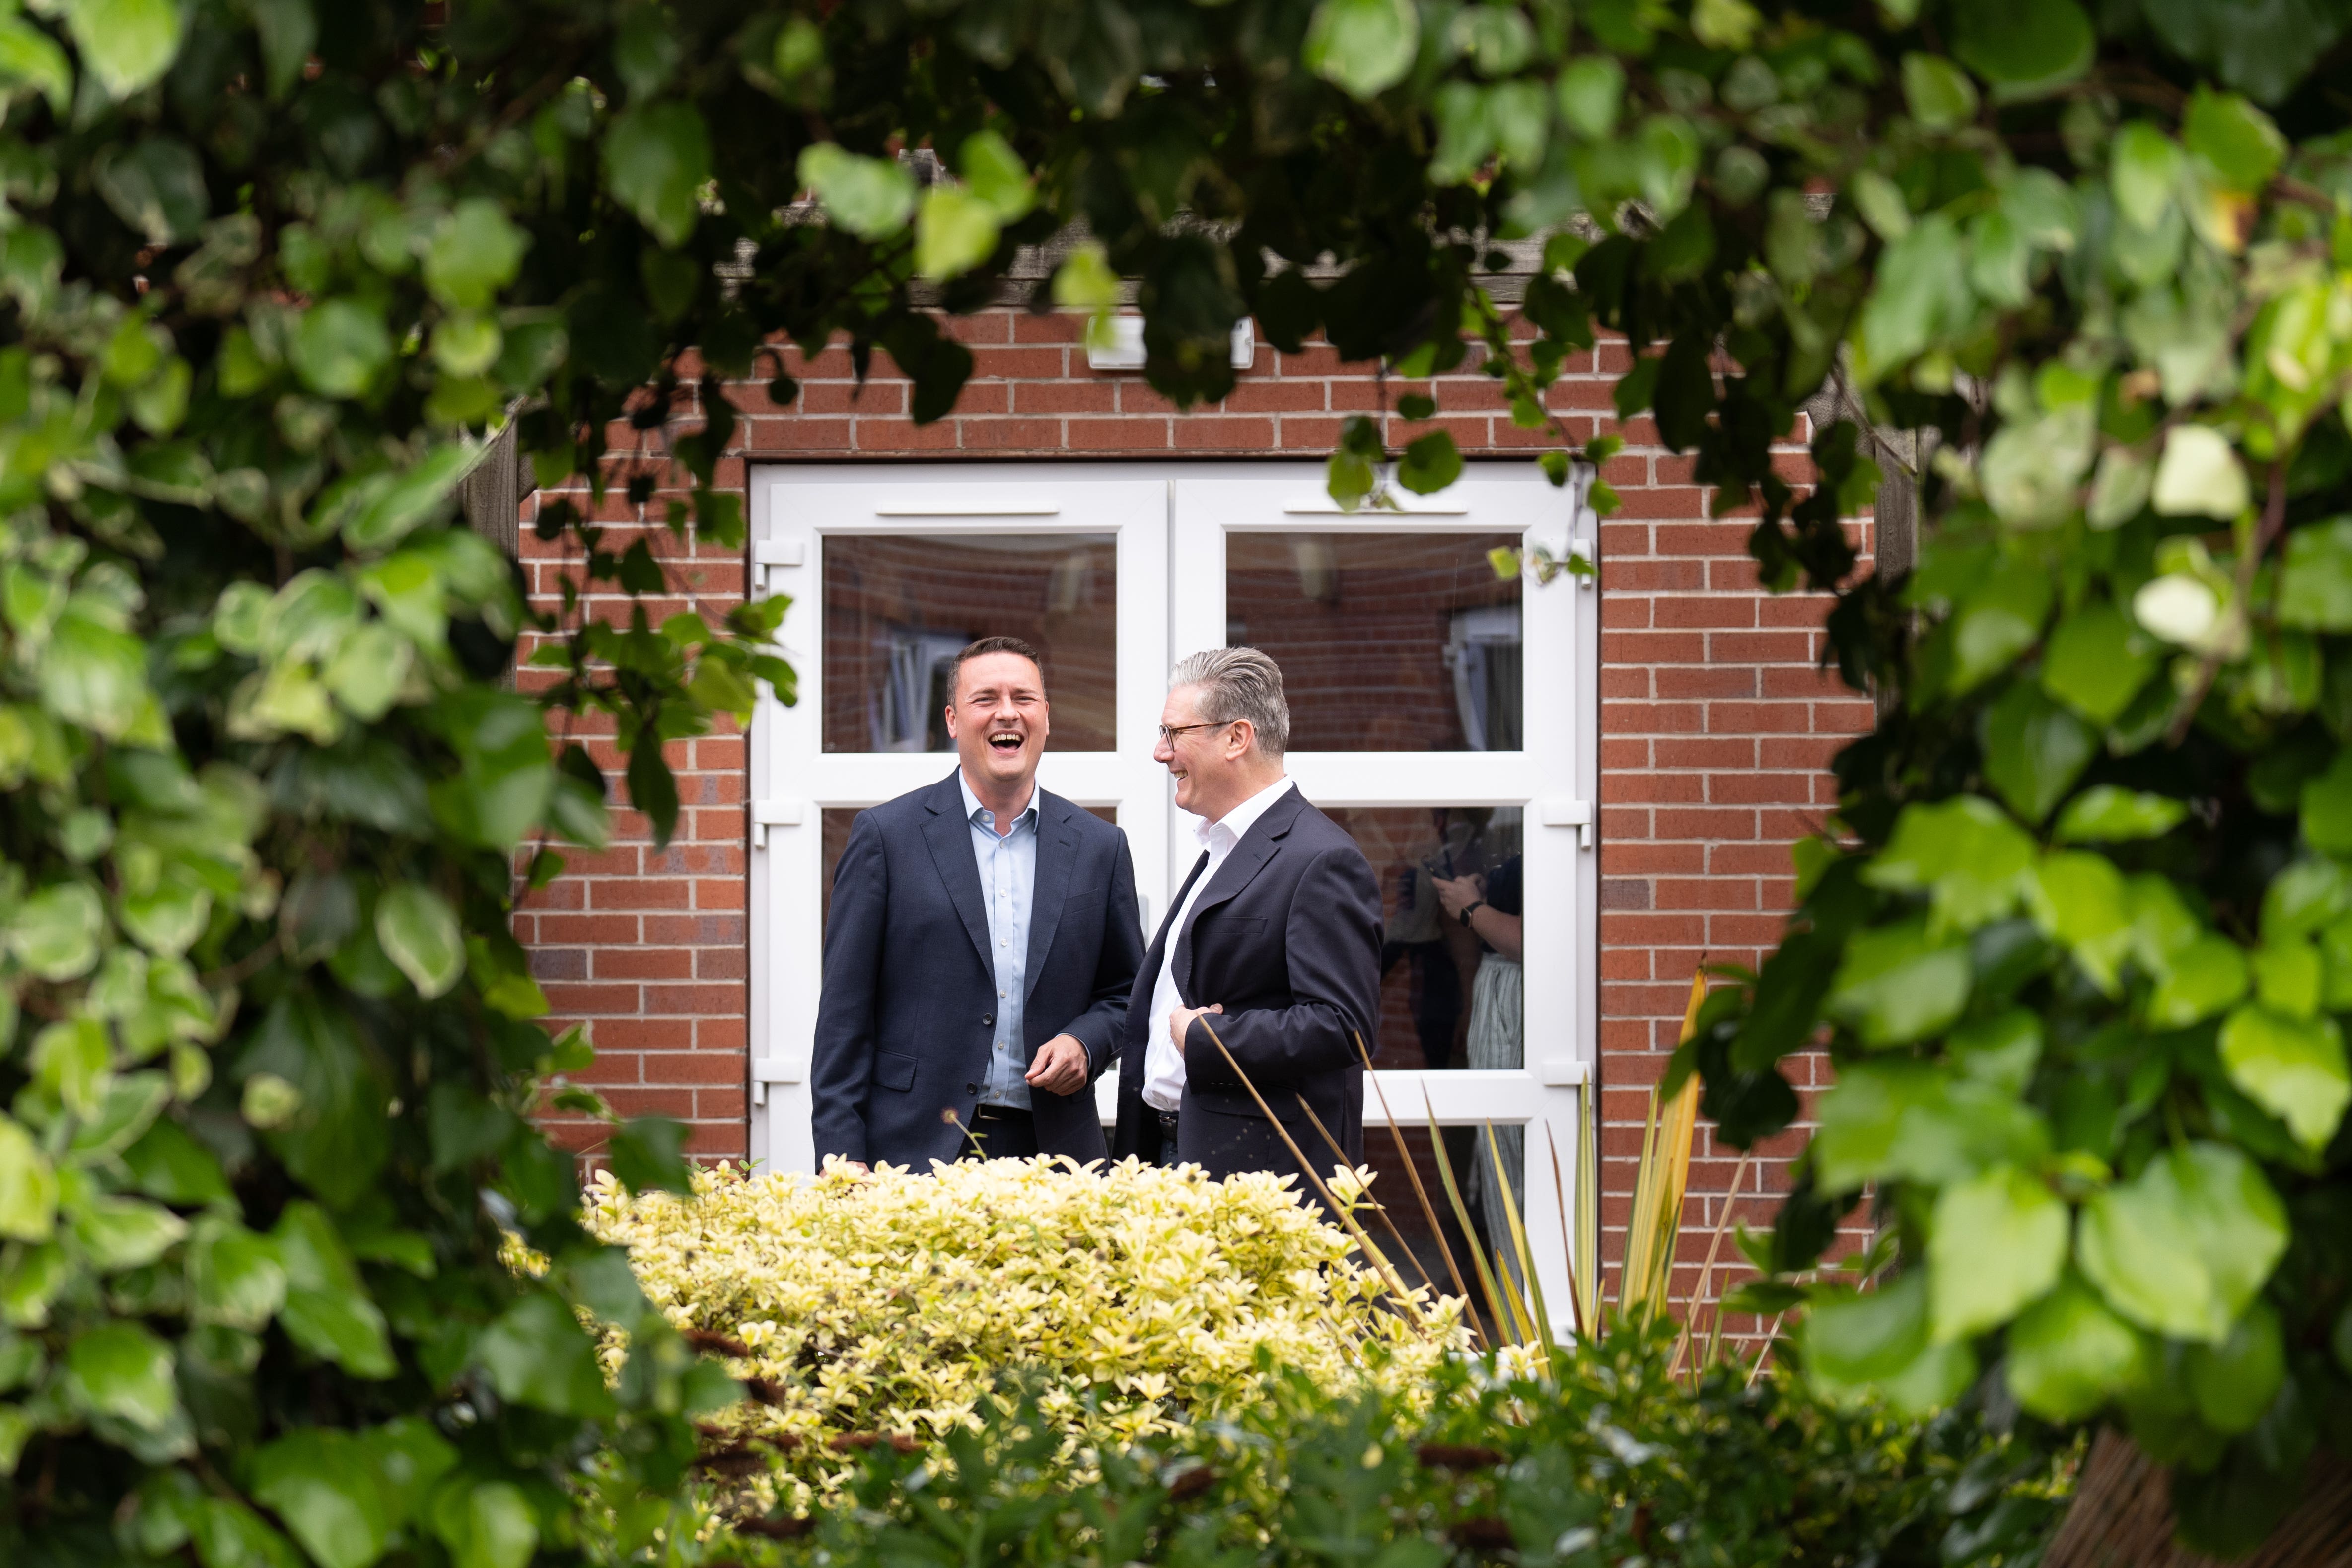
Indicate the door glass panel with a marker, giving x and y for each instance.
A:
(899, 607)
(1446, 999)
(1388, 642)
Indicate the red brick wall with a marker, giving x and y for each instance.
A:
(1717, 723)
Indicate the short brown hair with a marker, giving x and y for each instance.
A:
(984, 647)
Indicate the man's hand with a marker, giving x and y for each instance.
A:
(1179, 1022)
(1059, 1065)
(1458, 893)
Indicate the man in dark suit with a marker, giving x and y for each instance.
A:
(980, 950)
(1276, 935)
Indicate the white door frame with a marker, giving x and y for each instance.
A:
(1171, 520)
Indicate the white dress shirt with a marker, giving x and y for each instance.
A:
(1163, 1064)
(1008, 876)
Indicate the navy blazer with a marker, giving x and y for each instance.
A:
(906, 1021)
(1288, 937)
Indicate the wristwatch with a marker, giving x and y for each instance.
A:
(1469, 910)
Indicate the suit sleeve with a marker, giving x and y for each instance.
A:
(1332, 938)
(1101, 1028)
(841, 1063)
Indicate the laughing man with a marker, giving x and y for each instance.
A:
(980, 950)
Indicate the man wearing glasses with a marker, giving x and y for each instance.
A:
(980, 949)
(1275, 938)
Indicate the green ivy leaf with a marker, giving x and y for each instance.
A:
(1430, 464)
(2199, 475)
(2096, 661)
(323, 1484)
(955, 231)
(2109, 814)
(996, 176)
(233, 1276)
(2145, 172)
(28, 55)
(28, 1185)
(656, 158)
(119, 1233)
(2199, 981)
(127, 44)
(1939, 94)
(2025, 47)
(2237, 140)
(2233, 1384)
(1965, 851)
(1999, 1242)
(419, 933)
(2292, 1067)
(1591, 90)
(2326, 807)
(488, 1525)
(341, 348)
(1898, 983)
(418, 496)
(647, 1154)
(1877, 1341)
(55, 933)
(1918, 1122)
(2068, 1354)
(156, 187)
(870, 198)
(473, 254)
(2315, 587)
(538, 1355)
(93, 673)
(2182, 1248)
(328, 1311)
(120, 1370)
(2033, 750)
(1365, 47)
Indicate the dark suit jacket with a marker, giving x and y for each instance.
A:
(1288, 937)
(908, 1010)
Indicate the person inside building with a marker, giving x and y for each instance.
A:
(1489, 907)
(1272, 943)
(981, 948)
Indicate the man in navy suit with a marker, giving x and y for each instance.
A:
(980, 950)
(1276, 934)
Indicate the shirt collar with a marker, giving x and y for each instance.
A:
(1242, 817)
(973, 807)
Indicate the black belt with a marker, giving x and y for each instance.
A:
(1000, 1114)
(1167, 1123)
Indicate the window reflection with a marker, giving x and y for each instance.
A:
(899, 607)
(1388, 642)
(1430, 962)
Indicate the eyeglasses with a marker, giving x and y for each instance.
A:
(1167, 733)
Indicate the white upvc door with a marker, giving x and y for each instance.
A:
(1445, 718)
(940, 553)
(1233, 528)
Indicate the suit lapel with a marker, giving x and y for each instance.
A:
(1241, 867)
(1057, 853)
(949, 838)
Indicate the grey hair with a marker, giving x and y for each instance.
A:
(1239, 683)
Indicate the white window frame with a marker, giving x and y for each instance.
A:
(1170, 521)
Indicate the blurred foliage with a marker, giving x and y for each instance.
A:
(272, 271)
(1599, 1456)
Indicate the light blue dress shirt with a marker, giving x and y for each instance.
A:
(1008, 878)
